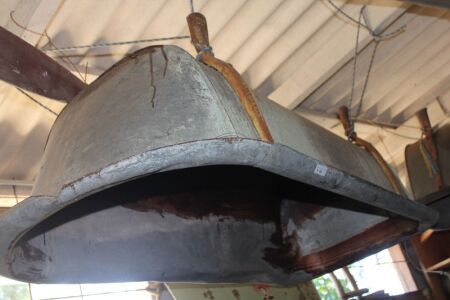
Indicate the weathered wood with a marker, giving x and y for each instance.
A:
(26, 67)
(434, 3)
(431, 147)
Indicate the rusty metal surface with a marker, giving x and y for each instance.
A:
(154, 172)
(27, 67)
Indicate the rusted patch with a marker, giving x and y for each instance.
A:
(237, 204)
(236, 193)
(287, 247)
(286, 258)
(285, 252)
(226, 192)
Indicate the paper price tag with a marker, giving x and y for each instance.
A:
(321, 170)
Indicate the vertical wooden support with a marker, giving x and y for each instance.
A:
(429, 246)
(431, 156)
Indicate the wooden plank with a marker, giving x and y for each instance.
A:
(26, 67)
(435, 3)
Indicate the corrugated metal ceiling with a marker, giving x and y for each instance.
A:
(297, 53)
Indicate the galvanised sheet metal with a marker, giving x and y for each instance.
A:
(422, 181)
(154, 172)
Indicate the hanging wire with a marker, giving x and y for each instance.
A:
(338, 9)
(65, 59)
(192, 6)
(377, 39)
(366, 80)
(37, 102)
(391, 158)
(354, 61)
(366, 26)
(102, 45)
(99, 45)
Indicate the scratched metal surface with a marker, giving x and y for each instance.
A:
(158, 111)
(185, 103)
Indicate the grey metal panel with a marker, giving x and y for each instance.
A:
(422, 183)
(317, 142)
(156, 111)
(68, 253)
(121, 102)
(197, 107)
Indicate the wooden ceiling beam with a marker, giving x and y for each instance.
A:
(435, 3)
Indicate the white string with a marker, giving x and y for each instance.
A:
(102, 45)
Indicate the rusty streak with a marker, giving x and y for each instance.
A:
(166, 60)
(199, 35)
(152, 80)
